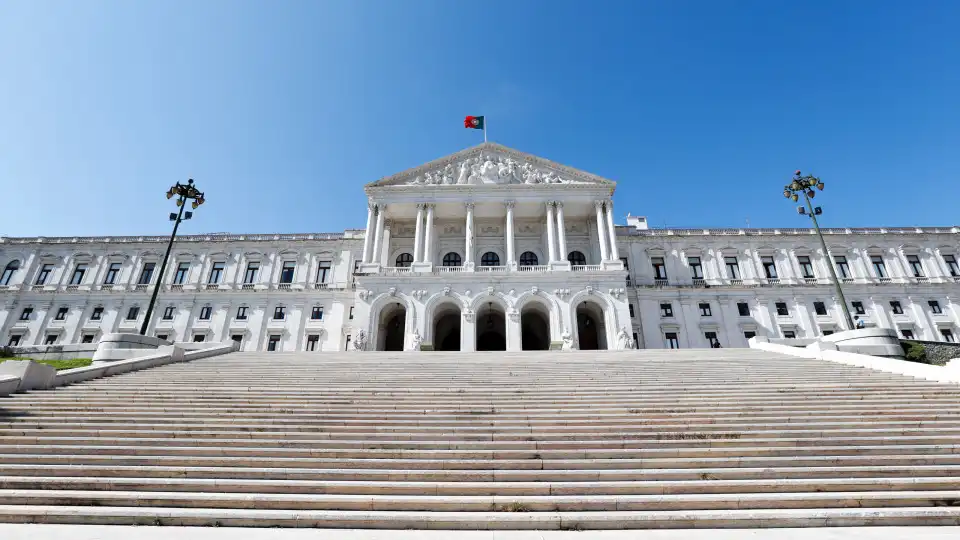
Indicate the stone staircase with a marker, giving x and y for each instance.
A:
(578, 440)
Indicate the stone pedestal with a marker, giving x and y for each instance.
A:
(33, 376)
(872, 341)
(123, 346)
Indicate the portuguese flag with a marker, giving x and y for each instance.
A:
(473, 122)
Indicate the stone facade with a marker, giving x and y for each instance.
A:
(488, 248)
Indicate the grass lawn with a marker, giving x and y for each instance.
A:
(58, 364)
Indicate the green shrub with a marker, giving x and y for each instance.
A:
(914, 352)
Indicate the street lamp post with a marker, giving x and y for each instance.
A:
(183, 192)
(804, 184)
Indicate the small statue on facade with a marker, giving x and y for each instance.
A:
(567, 340)
(415, 341)
(624, 341)
(360, 342)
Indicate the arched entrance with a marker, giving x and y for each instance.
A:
(446, 328)
(491, 328)
(591, 328)
(535, 327)
(392, 327)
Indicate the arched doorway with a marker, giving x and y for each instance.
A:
(535, 327)
(591, 327)
(392, 327)
(446, 328)
(491, 328)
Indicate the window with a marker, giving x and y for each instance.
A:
(199, 338)
(712, 339)
(273, 342)
(323, 271)
(695, 267)
(356, 267)
(50, 339)
(132, 313)
(819, 308)
(529, 258)
(907, 334)
(879, 269)
(78, 272)
(216, 272)
(733, 267)
(915, 266)
(317, 313)
(146, 275)
(782, 310)
(659, 268)
(952, 266)
(312, 341)
(242, 313)
(490, 259)
(168, 313)
(671, 339)
(287, 270)
(9, 271)
(827, 332)
(705, 310)
(743, 309)
(351, 313)
(279, 313)
(935, 307)
(205, 313)
(632, 313)
(44, 274)
(97, 314)
(749, 334)
(14, 340)
(789, 334)
(87, 338)
(842, 268)
(666, 310)
(113, 272)
(347, 347)
(237, 338)
(636, 341)
(162, 336)
(577, 258)
(769, 267)
(947, 335)
(404, 260)
(61, 314)
(452, 259)
(181, 274)
(896, 307)
(626, 265)
(26, 313)
(806, 267)
(858, 308)
(250, 275)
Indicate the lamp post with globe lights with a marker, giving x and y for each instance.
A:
(805, 184)
(183, 193)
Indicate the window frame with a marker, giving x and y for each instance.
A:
(168, 313)
(404, 260)
(251, 272)
(659, 267)
(769, 265)
(61, 314)
(953, 268)
(9, 271)
(288, 271)
(490, 259)
(578, 258)
(216, 272)
(743, 309)
(26, 313)
(279, 313)
(273, 342)
(948, 335)
(666, 310)
(630, 308)
(705, 309)
(696, 268)
(113, 272)
(528, 258)
(79, 272)
(452, 259)
(879, 266)
(146, 273)
(842, 266)
(782, 309)
(712, 339)
(905, 331)
(935, 307)
(316, 313)
(97, 313)
(241, 313)
(820, 308)
(806, 267)
(43, 274)
(312, 341)
(133, 312)
(181, 273)
(733, 269)
(858, 308)
(206, 312)
(671, 340)
(896, 307)
(915, 265)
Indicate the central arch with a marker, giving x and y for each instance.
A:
(591, 326)
(446, 327)
(491, 326)
(391, 327)
(534, 327)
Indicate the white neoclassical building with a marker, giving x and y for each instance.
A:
(486, 249)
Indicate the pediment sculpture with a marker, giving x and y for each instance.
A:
(487, 170)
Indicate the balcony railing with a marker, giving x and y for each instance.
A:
(176, 287)
(211, 286)
(524, 268)
(396, 270)
(921, 279)
(590, 268)
(771, 281)
(321, 286)
(736, 282)
(809, 281)
(71, 288)
(699, 282)
(447, 269)
(846, 280)
(141, 287)
(661, 282)
(247, 287)
(499, 268)
(284, 286)
(885, 280)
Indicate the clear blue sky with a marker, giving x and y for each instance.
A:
(281, 111)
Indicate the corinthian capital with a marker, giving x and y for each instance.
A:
(598, 205)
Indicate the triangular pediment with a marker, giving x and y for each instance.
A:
(490, 164)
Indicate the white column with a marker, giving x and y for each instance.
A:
(468, 240)
(511, 249)
(428, 237)
(561, 233)
(601, 228)
(368, 235)
(614, 253)
(418, 235)
(378, 234)
(551, 234)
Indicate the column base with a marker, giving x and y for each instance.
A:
(468, 267)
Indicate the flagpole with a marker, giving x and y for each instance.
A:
(484, 129)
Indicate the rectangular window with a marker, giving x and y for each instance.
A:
(947, 335)
(132, 313)
(952, 265)
(733, 267)
(61, 314)
(279, 313)
(626, 264)
(351, 313)
(879, 269)
(97, 314)
(168, 313)
(216, 273)
(769, 267)
(666, 310)
(44, 274)
(146, 275)
(14, 340)
(659, 268)
(78, 272)
(317, 313)
(87, 338)
(806, 267)
(858, 308)
(312, 341)
(743, 309)
(915, 266)
(347, 347)
(636, 341)
(25, 314)
(705, 310)
(819, 308)
(907, 334)
(237, 338)
(250, 276)
(828, 332)
(50, 339)
(205, 312)
(712, 339)
(632, 312)
(273, 343)
(782, 310)
(896, 307)
(242, 313)
(181, 274)
(935, 307)
(323, 271)
(749, 334)
(672, 342)
(113, 272)
(843, 269)
(199, 338)
(8, 272)
(286, 272)
(696, 269)
(789, 334)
